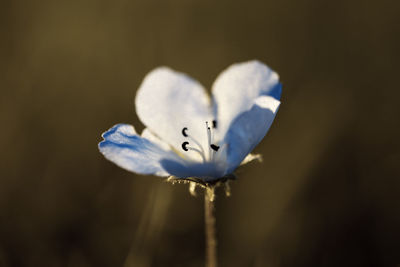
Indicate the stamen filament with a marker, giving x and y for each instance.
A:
(198, 144)
(185, 134)
(198, 151)
(212, 148)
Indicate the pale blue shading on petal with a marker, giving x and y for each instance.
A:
(236, 88)
(248, 129)
(146, 133)
(128, 150)
(207, 171)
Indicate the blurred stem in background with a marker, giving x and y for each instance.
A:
(210, 229)
(150, 227)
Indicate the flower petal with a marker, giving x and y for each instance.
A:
(206, 171)
(236, 89)
(248, 129)
(128, 150)
(167, 101)
(146, 133)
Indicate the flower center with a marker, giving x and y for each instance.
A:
(209, 154)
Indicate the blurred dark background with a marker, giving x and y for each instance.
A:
(327, 193)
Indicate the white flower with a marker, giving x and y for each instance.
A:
(190, 135)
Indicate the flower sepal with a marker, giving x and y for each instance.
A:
(209, 186)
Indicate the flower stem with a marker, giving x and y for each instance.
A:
(210, 229)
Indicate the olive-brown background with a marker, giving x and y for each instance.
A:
(327, 193)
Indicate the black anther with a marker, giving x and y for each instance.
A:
(214, 124)
(214, 147)
(184, 132)
(184, 144)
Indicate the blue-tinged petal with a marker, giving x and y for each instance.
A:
(167, 101)
(237, 87)
(146, 133)
(128, 150)
(248, 129)
(207, 171)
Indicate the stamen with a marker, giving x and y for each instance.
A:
(198, 151)
(184, 132)
(187, 148)
(184, 144)
(214, 147)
